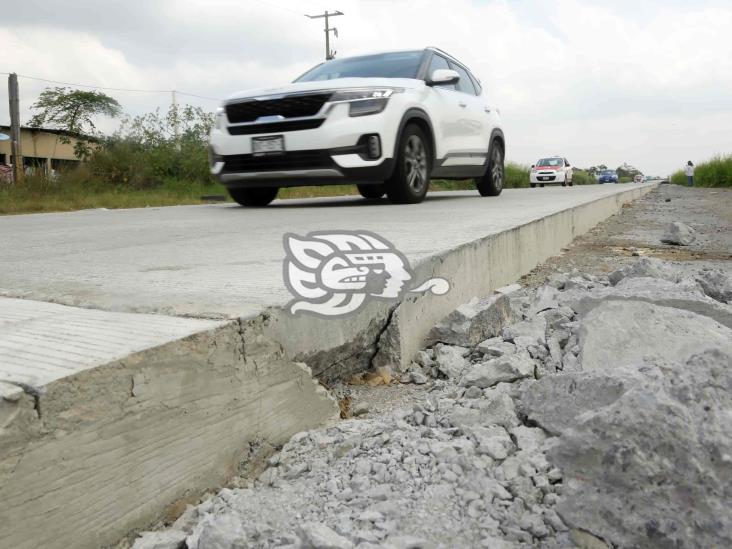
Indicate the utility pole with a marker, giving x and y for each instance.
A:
(15, 148)
(328, 53)
(175, 116)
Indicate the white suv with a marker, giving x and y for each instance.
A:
(387, 122)
(551, 171)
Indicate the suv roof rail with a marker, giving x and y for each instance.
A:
(443, 52)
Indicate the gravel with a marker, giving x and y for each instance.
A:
(591, 400)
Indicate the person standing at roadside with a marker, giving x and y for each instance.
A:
(689, 170)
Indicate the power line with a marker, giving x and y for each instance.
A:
(109, 88)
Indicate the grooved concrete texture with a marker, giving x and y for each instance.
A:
(115, 406)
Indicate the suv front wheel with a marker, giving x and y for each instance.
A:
(255, 197)
(408, 184)
(491, 184)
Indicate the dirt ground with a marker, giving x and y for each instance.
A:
(637, 230)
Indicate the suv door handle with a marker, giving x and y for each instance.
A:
(463, 105)
(487, 109)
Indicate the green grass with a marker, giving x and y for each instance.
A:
(35, 195)
(79, 190)
(716, 172)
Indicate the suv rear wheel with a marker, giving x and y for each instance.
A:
(408, 184)
(255, 197)
(371, 191)
(491, 184)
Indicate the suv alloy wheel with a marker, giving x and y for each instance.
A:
(408, 184)
(491, 184)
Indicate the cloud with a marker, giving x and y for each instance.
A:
(596, 81)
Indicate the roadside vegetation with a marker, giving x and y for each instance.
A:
(716, 172)
(160, 159)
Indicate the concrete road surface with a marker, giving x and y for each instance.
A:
(222, 261)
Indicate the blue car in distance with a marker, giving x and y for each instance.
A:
(607, 176)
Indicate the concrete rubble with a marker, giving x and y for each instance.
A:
(598, 414)
(678, 234)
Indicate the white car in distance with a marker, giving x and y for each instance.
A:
(387, 122)
(552, 170)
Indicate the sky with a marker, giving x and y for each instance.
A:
(647, 82)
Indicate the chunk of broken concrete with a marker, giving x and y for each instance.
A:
(533, 330)
(647, 267)
(165, 539)
(678, 234)
(450, 360)
(473, 322)
(716, 283)
(506, 368)
(667, 435)
(495, 347)
(618, 333)
(685, 295)
(318, 536)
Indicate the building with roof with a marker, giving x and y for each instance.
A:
(41, 148)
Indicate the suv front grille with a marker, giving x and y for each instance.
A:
(277, 127)
(292, 106)
(293, 160)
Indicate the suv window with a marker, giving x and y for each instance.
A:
(384, 65)
(476, 84)
(464, 84)
(439, 62)
(544, 162)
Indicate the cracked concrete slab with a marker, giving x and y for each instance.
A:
(42, 342)
(98, 447)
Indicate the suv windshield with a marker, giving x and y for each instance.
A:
(384, 65)
(550, 162)
(608, 172)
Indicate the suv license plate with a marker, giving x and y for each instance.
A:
(274, 144)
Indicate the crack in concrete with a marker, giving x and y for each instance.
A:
(382, 331)
(35, 392)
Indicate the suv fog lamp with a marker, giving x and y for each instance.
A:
(374, 146)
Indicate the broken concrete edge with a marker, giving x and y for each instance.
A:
(117, 444)
(388, 336)
(480, 267)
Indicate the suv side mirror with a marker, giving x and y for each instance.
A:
(533, 165)
(443, 77)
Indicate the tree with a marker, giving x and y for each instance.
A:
(73, 111)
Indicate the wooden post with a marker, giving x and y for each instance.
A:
(15, 146)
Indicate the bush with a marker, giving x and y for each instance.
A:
(716, 172)
(151, 149)
(581, 177)
(517, 176)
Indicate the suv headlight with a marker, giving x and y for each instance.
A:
(220, 118)
(365, 102)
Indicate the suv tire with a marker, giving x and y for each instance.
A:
(256, 197)
(411, 178)
(372, 192)
(491, 184)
